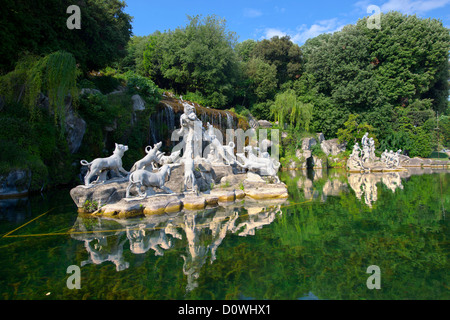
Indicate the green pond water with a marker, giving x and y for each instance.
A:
(316, 245)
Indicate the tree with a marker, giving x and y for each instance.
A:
(39, 27)
(152, 56)
(444, 126)
(285, 55)
(353, 131)
(282, 53)
(380, 75)
(288, 108)
(410, 58)
(54, 75)
(263, 79)
(198, 57)
(135, 59)
(244, 49)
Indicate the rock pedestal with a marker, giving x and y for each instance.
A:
(108, 199)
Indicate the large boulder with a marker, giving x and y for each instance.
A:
(75, 128)
(320, 137)
(15, 183)
(308, 143)
(89, 91)
(318, 163)
(102, 194)
(138, 103)
(265, 124)
(258, 189)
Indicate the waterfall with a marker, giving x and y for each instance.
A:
(170, 116)
(152, 131)
(166, 119)
(229, 121)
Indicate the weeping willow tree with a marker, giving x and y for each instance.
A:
(287, 108)
(53, 75)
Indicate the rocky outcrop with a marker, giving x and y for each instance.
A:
(264, 124)
(138, 103)
(308, 143)
(15, 184)
(332, 147)
(217, 183)
(319, 163)
(257, 188)
(75, 128)
(305, 159)
(89, 91)
(406, 161)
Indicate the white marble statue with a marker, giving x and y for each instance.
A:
(191, 130)
(149, 179)
(219, 152)
(355, 159)
(384, 156)
(265, 166)
(162, 159)
(148, 160)
(101, 166)
(365, 140)
(371, 149)
(190, 183)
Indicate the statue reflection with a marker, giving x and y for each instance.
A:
(204, 231)
(106, 248)
(204, 234)
(142, 240)
(366, 184)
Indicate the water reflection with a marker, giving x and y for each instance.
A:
(197, 235)
(201, 232)
(366, 184)
(320, 184)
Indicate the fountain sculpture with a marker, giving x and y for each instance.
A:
(185, 178)
(363, 159)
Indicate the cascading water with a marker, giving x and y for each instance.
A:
(229, 121)
(152, 131)
(170, 117)
(166, 119)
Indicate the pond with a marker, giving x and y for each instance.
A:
(316, 245)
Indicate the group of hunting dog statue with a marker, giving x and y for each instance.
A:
(154, 169)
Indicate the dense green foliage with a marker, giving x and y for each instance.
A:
(39, 27)
(395, 78)
(198, 57)
(391, 82)
(53, 75)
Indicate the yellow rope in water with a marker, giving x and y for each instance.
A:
(8, 234)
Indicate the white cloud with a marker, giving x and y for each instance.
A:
(404, 6)
(272, 32)
(303, 32)
(325, 26)
(252, 13)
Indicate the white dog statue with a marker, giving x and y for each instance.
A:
(149, 179)
(148, 159)
(101, 166)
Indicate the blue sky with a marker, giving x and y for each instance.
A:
(265, 18)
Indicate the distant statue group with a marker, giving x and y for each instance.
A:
(363, 157)
(155, 168)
